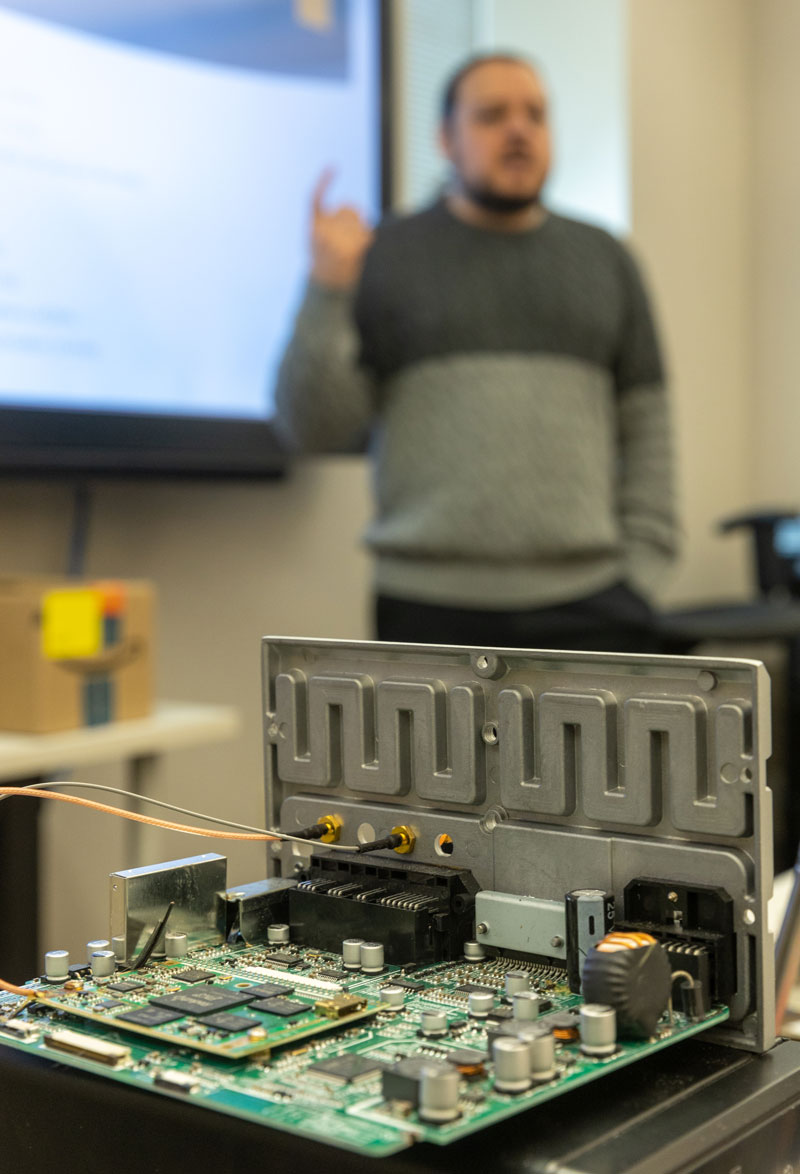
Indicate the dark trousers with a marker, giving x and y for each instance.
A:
(613, 620)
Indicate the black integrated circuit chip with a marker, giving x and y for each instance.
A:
(268, 990)
(230, 1023)
(281, 958)
(408, 984)
(346, 1069)
(194, 974)
(202, 1000)
(110, 1005)
(282, 1007)
(127, 984)
(469, 988)
(150, 1016)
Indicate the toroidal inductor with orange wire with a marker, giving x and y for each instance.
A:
(631, 973)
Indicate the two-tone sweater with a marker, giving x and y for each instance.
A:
(512, 387)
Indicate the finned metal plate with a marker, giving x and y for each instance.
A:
(548, 770)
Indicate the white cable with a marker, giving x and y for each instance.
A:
(242, 827)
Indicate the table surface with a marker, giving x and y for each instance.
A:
(171, 726)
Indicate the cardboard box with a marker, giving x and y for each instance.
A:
(74, 652)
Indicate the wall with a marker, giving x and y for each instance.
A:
(775, 405)
(691, 76)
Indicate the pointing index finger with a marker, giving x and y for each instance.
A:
(320, 190)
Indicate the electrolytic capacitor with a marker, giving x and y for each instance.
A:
(512, 1064)
(99, 944)
(176, 944)
(589, 917)
(103, 963)
(525, 1005)
(395, 996)
(277, 934)
(371, 957)
(351, 953)
(480, 1003)
(516, 980)
(56, 965)
(598, 1026)
(474, 951)
(543, 1055)
(438, 1093)
(434, 1023)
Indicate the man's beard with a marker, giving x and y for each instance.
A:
(494, 201)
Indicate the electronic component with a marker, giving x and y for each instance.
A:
(372, 955)
(512, 1064)
(526, 1005)
(78, 1044)
(347, 1069)
(278, 933)
(150, 1016)
(56, 965)
(433, 1024)
(200, 1000)
(139, 897)
(589, 916)
(268, 990)
(176, 944)
(124, 986)
(338, 1006)
(631, 973)
(103, 963)
(230, 1023)
(598, 1029)
(172, 1081)
(351, 953)
(421, 912)
(438, 1093)
(480, 1003)
(283, 1007)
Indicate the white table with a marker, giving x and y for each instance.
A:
(26, 758)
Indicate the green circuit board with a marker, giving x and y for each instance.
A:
(289, 1039)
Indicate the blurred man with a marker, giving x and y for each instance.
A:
(504, 361)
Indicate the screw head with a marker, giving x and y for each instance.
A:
(481, 927)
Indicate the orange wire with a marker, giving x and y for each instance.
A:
(34, 793)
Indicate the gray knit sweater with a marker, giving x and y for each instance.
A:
(513, 390)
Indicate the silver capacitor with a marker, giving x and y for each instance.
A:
(512, 1064)
(474, 951)
(598, 1027)
(516, 980)
(395, 996)
(103, 963)
(433, 1023)
(56, 965)
(480, 1003)
(371, 955)
(176, 944)
(543, 1055)
(277, 934)
(92, 947)
(351, 953)
(120, 948)
(438, 1093)
(525, 1005)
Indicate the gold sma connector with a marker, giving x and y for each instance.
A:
(334, 825)
(408, 839)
